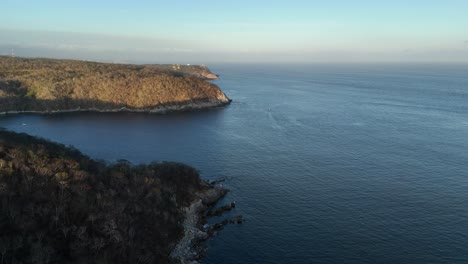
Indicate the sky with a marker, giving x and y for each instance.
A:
(206, 31)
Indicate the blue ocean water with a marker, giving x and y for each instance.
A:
(327, 163)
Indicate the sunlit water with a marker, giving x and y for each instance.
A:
(328, 164)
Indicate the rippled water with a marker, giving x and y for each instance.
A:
(328, 163)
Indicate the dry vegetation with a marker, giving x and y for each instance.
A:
(49, 85)
(199, 71)
(59, 206)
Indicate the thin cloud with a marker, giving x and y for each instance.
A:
(88, 41)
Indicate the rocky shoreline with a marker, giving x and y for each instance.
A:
(189, 250)
(186, 107)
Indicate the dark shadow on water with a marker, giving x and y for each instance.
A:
(30, 104)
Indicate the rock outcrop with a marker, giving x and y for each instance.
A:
(190, 248)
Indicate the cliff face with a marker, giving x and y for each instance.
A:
(51, 85)
(59, 206)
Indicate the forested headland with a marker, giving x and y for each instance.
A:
(51, 85)
(60, 206)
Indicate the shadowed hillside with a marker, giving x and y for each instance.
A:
(59, 206)
(51, 85)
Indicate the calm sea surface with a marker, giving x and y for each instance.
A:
(328, 163)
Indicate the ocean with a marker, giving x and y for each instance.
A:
(327, 163)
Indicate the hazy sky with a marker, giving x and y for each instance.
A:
(252, 31)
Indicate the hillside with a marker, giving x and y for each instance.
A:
(47, 85)
(59, 206)
(199, 71)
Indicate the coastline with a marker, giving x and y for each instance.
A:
(188, 249)
(186, 107)
(162, 216)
